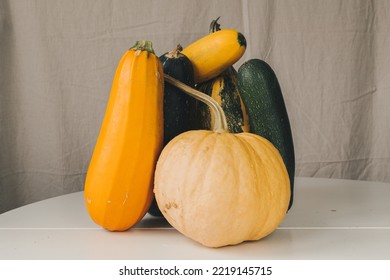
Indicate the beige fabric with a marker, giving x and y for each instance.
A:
(58, 59)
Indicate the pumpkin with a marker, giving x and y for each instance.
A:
(219, 188)
(119, 183)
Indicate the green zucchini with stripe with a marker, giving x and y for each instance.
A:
(224, 90)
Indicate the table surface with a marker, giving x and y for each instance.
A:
(330, 219)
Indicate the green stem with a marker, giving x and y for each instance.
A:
(214, 26)
(143, 45)
(220, 124)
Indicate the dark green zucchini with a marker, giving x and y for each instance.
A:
(179, 115)
(260, 90)
(224, 90)
(179, 107)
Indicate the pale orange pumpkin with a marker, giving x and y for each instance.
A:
(219, 188)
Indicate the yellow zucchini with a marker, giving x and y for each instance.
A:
(214, 53)
(119, 182)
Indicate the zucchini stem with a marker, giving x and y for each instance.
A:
(175, 53)
(214, 26)
(220, 124)
(143, 45)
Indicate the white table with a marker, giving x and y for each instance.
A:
(330, 219)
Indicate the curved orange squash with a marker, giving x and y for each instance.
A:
(119, 183)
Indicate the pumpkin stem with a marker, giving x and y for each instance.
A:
(220, 124)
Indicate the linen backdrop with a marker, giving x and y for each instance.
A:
(58, 59)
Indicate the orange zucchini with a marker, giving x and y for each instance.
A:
(119, 182)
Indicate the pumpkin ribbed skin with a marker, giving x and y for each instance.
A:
(214, 53)
(119, 183)
(221, 188)
(224, 90)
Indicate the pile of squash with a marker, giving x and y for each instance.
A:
(187, 137)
